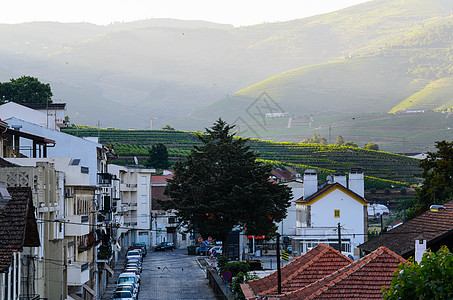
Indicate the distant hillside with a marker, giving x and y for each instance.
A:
(364, 59)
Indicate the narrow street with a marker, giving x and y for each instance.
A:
(173, 275)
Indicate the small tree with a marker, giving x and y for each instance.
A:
(221, 185)
(372, 146)
(340, 140)
(432, 278)
(158, 157)
(25, 89)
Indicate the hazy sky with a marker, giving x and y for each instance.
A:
(236, 12)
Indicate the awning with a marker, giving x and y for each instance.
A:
(107, 267)
(89, 290)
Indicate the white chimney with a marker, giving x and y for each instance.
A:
(310, 182)
(356, 183)
(340, 177)
(420, 248)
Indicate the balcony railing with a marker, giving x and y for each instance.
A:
(105, 179)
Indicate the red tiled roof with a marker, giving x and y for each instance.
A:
(362, 279)
(160, 179)
(317, 263)
(18, 225)
(282, 174)
(157, 193)
(434, 226)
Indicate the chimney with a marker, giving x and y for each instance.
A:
(420, 248)
(356, 183)
(310, 182)
(340, 177)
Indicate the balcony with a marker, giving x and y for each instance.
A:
(78, 273)
(105, 179)
(128, 187)
(77, 225)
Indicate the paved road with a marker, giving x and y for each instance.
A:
(173, 275)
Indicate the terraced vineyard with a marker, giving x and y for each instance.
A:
(390, 169)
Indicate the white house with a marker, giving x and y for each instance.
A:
(322, 209)
(287, 227)
(50, 115)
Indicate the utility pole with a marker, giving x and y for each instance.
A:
(330, 133)
(339, 237)
(279, 274)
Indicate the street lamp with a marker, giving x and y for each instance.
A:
(435, 208)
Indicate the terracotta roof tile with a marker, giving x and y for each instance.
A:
(317, 263)
(362, 279)
(160, 179)
(432, 225)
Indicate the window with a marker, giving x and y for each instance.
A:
(144, 199)
(143, 179)
(336, 213)
(143, 218)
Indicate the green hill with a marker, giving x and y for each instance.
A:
(381, 165)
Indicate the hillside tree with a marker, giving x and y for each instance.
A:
(430, 279)
(158, 157)
(25, 89)
(340, 140)
(350, 144)
(371, 146)
(221, 185)
(437, 171)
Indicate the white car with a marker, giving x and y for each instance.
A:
(129, 277)
(134, 254)
(123, 295)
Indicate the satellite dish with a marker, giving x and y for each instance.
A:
(329, 178)
(136, 160)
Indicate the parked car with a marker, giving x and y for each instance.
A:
(133, 264)
(129, 277)
(139, 246)
(130, 286)
(134, 254)
(134, 270)
(126, 288)
(123, 295)
(216, 249)
(164, 246)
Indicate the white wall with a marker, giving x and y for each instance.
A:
(351, 213)
(66, 146)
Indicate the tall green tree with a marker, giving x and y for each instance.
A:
(371, 146)
(340, 140)
(438, 176)
(25, 89)
(432, 278)
(221, 185)
(158, 157)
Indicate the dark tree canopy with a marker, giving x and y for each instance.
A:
(158, 157)
(438, 176)
(25, 89)
(221, 185)
(371, 146)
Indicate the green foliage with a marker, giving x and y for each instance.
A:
(438, 176)
(316, 139)
(235, 267)
(340, 140)
(221, 185)
(372, 146)
(158, 157)
(25, 89)
(350, 144)
(403, 191)
(242, 277)
(167, 127)
(430, 279)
